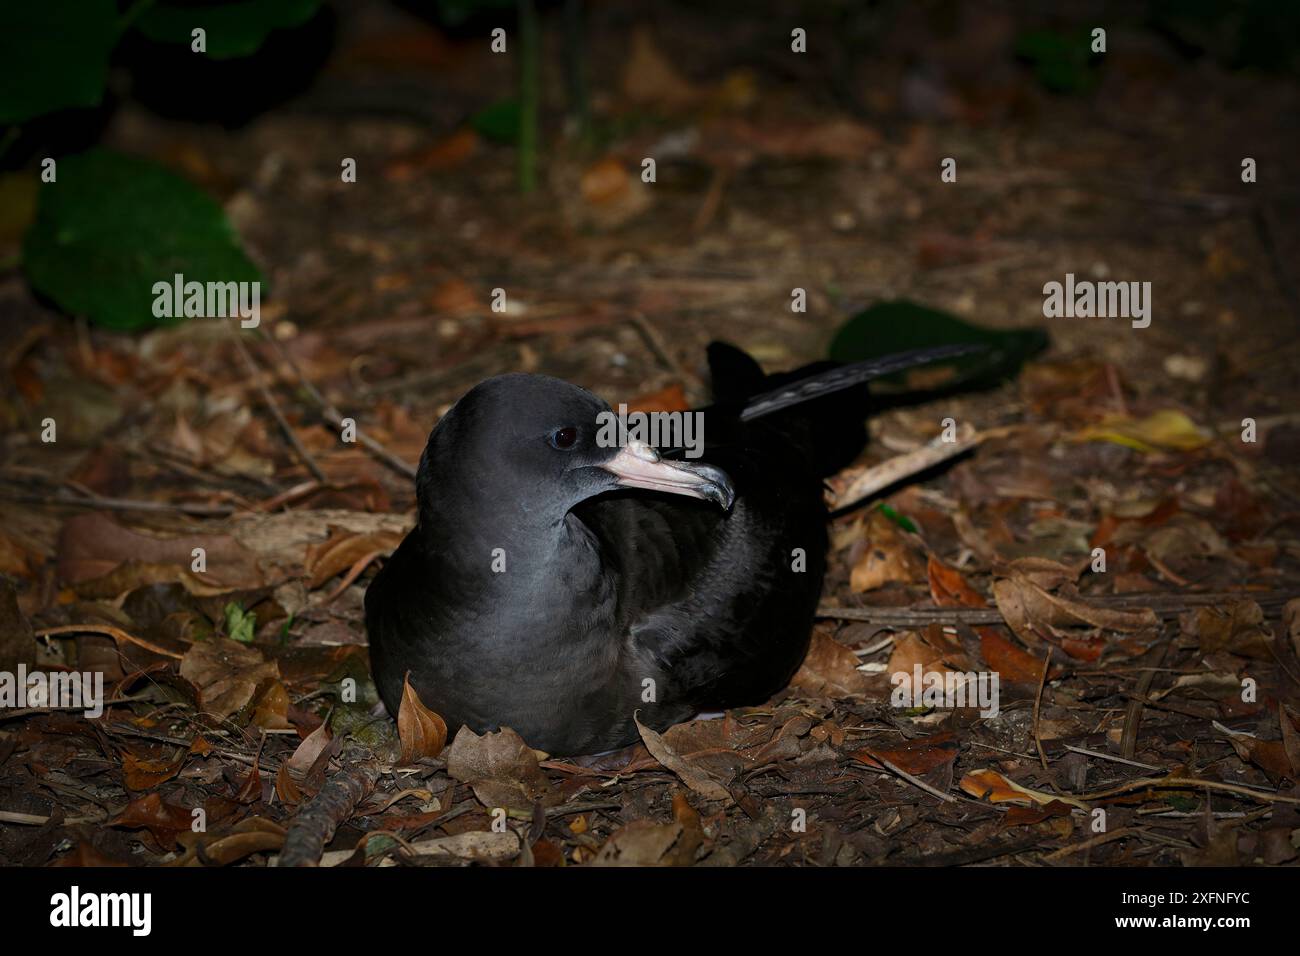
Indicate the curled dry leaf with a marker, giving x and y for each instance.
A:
(164, 820)
(1031, 611)
(1167, 429)
(304, 758)
(343, 550)
(647, 843)
(693, 775)
(422, 732)
(991, 785)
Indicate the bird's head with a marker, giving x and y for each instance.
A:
(533, 447)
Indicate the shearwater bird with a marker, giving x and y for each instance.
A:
(557, 584)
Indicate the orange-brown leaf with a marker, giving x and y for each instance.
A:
(422, 732)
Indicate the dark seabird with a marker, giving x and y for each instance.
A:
(556, 584)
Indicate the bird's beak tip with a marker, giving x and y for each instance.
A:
(638, 466)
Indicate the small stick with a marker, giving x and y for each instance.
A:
(31, 819)
(1038, 701)
(1089, 844)
(62, 498)
(1178, 783)
(269, 400)
(1101, 756)
(917, 782)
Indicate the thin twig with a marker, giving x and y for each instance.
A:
(1089, 844)
(269, 400)
(1101, 756)
(1038, 702)
(917, 782)
(335, 418)
(64, 499)
(1182, 783)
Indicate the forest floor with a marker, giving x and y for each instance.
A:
(1149, 713)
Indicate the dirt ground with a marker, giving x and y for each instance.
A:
(1163, 692)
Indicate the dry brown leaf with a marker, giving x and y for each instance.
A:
(164, 820)
(886, 556)
(422, 732)
(692, 774)
(139, 773)
(1291, 617)
(502, 770)
(949, 587)
(304, 758)
(226, 673)
(1238, 629)
(1013, 663)
(991, 785)
(343, 550)
(1026, 606)
(918, 757)
(830, 669)
(647, 843)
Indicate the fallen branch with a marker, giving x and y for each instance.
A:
(320, 817)
(1165, 604)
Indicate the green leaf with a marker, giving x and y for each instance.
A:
(890, 327)
(241, 625)
(54, 55)
(113, 225)
(498, 123)
(232, 29)
(902, 520)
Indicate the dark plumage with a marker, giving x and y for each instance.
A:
(605, 588)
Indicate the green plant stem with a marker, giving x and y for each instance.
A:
(528, 94)
(575, 62)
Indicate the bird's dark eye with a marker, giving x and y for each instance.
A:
(564, 437)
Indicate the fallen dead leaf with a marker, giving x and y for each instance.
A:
(502, 770)
(226, 673)
(693, 775)
(422, 732)
(991, 785)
